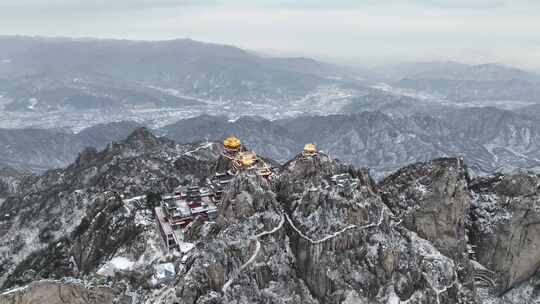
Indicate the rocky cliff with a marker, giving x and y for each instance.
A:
(319, 231)
(505, 226)
(56, 292)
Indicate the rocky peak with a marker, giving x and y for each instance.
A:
(504, 226)
(248, 194)
(86, 156)
(82, 206)
(316, 189)
(519, 184)
(142, 137)
(432, 199)
(11, 181)
(311, 168)
(141, 134)
(319, 232)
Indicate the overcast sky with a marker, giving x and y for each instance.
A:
(362, 31)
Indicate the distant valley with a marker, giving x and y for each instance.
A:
(60, 95)
(77, 83)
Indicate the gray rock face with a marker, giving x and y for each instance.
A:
(244, 256)
(10, 181)
(304, 239)
(318, 232)
(52, 292)
(67, 222)
(432, 199)
(347, 243)
(505, 226)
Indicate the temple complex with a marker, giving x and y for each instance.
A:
(244, 160)
(187, 203)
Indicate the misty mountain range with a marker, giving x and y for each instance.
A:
(188, 90)
(490, 139)
(72, 83)
(108, 73)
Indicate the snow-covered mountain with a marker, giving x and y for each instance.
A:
(45, 74)
(489, 139)
(42, 149)
(465, 83)
(319, 231)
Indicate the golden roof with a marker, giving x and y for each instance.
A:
(232, 142)
(310, 148)
(247, 159)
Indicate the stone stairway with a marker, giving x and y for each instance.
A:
(483, 277)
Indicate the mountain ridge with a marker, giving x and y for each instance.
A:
(501, 140)
(404, 238)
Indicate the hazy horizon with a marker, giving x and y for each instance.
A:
(285, 54)
(367, 33)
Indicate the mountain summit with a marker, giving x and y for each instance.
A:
(315, 231)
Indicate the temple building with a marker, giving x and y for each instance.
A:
(232, 144)
(345, 181)
(201, 200)
(241, 159)
(244, 160)
(218, 183)
(181, 208)
(310, 150)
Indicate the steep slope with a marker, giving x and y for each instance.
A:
(432, 199)
(65, 222)
(318, 231)
(505, 225)
(11, 180)
(322, 245)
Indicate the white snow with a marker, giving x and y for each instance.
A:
(14, 290)
(204, 146)
(335, 234)
(421, 188)
(121, 263)
(255, 253)
(162, 273)
(186, 247)
(115, 264)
